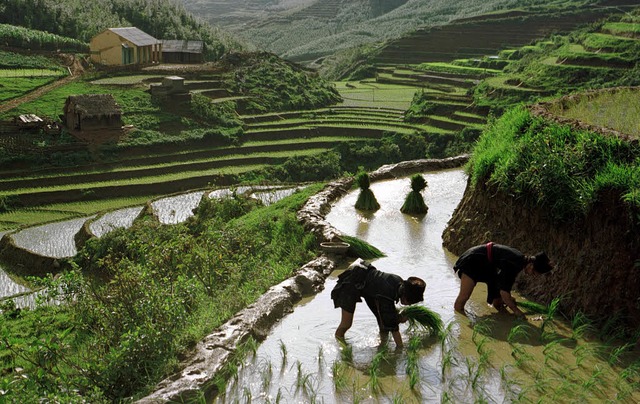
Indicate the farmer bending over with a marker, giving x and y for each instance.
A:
(496, 265)
(380, 291)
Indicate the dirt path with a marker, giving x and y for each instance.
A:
(76, 71)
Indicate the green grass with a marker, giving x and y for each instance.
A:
(554, 166)
(619, 28)
(15, 87)
(617, 110)
(453, 68)
(126, 80)
(13, 73)
(156, 179)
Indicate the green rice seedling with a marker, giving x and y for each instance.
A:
(580, 325)
(594, 381)
(414, 202)
(346, 352)
(550, 351)
(361, 249)
(283, 351)
(320, 356)
(532, 307)
(374, 368)
(412, 361)
(518, 332)
(366, 199)
(339, 373)
(266, 375)
(423, 319)
(521, 356)
(582, 352)
(246, 394)
(614, 356)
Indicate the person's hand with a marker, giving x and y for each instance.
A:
(403, 319)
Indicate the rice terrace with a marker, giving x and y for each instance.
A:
(184, 184)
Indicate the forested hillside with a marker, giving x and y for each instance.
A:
(163, 19)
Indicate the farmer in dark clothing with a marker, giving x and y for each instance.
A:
(496, 265)
(381, 291)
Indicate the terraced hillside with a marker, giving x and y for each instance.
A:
(487, 35)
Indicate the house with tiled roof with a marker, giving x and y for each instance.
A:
(125, 46)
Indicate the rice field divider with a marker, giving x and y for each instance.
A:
(204, 177)
(145, 176)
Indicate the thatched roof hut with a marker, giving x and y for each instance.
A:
(91, 113)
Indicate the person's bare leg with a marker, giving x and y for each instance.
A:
(466, 288)
(498, 304)
(345, 324)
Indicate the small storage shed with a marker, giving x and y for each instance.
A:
(125, 46)
(93, 117)
(179, 51)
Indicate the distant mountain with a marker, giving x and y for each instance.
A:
(304, 30)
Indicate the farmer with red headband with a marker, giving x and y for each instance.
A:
(496, 265)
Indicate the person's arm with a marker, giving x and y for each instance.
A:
(511, 303)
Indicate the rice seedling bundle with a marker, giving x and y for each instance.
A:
(532, 307)
(366, 199)
(361, 249)
(414, 203)
(420, 317)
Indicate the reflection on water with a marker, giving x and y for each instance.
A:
(7, 286)
(176, 209)
(51, 240)
(113, 220)
(488, 358)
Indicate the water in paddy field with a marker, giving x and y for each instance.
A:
(176, 209)
(488, 357)
(51, 240)
(113, 220)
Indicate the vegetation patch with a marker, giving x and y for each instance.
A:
(555, 166)
(135, 299)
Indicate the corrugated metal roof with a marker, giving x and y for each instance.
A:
(134, 35)
(177, 45)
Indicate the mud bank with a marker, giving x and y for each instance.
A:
(597, 257)
(212, 353)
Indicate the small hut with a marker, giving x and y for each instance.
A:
(93, 117)
(181, 51)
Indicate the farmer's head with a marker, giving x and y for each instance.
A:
(540, 263)
(412, 290)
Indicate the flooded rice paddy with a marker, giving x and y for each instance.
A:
(488, 357)
(51, 240)
(121, 218)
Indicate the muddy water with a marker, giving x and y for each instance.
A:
(480, 360)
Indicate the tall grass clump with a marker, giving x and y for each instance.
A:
(554, 166)
(366, 198)
(414, 203)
